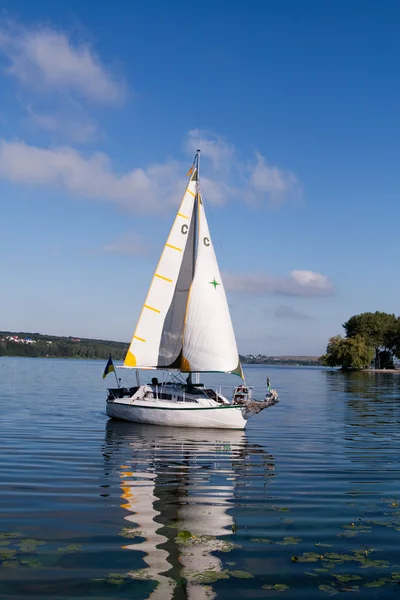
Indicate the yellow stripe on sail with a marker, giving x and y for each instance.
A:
(151, 308)
(185, 365)
(183, 216)
(162, 277)
(190, 192)
(130, 359)
(139, 338)
(174, 247)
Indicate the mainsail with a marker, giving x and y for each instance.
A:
(185, 322)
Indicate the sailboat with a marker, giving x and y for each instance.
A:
(185, 327)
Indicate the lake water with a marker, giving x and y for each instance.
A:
(304, 504)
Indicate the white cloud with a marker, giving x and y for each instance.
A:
(218, 192)
(253, 181)
(68, 127)
(45, 59)
(148, 189)
(297, 283)
(130, 242)
(270, 180)
(144, 190)
(212, 146)
(287, 312)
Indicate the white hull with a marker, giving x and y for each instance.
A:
(163, 413)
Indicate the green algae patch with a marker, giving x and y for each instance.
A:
(338, 558)
(70, 548)
(33, 563)
(116, 581)
(347, 534)
(328, 589)
(9, 535)
(185, 538)
(10, 564)
(7, 553)
(208, 576)
(373, 564)
(353, 527)
(286, 541)
(139, 574)
(289, 541)
(321, 570)
(333, 556)
(377, 583)
(184, 535)
(225, 546)
(29, 546)
(307, 557)
(346, 578)
(130, 532)
(241, 574)
(278, 587)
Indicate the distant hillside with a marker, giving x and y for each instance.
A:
(261, 359)
(52, 346)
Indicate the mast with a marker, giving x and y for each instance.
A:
(196, 237)
(196, 209)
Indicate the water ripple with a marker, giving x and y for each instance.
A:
(304, 504)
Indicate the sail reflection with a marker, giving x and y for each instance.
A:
(178, 487)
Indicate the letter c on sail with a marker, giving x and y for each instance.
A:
(184, 229)
(206, 241)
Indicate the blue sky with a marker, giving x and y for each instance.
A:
(295, 106)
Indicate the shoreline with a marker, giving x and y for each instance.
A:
(383, 371)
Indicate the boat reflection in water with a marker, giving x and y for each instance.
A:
(178, 488)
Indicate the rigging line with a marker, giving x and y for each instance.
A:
(124, 350)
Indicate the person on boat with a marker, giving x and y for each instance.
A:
(268, 384)
(189, 383)
(240, 392)
(154, 381)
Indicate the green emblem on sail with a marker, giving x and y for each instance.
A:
(214, 283)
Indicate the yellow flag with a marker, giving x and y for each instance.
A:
(190, 171)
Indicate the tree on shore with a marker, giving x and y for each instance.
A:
(369, 337)
(349, 353)
(393, 339)
(376, 330)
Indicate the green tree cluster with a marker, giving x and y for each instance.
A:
(370, 338)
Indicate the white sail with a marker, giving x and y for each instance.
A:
(157, 341)
(209, 340)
